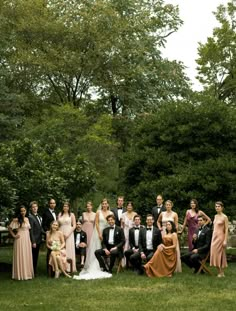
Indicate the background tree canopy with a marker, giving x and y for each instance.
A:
(90, 108)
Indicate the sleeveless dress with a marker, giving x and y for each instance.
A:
(91, 268)
(218, 255)
(162, 263)
(192, 222)
(128, 224)
(88, 225)
(22, 265)
(65, 227)
(165, 218)
(62, 254)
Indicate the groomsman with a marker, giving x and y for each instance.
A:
(201, 245)
(49, 215)
(156, 210)
(112, 244)
(35, 233)
(80, 243)
(119, 210)
(133, 239)
(149, 239)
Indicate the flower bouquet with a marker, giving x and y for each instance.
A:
(56, 246)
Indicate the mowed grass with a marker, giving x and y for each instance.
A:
(124, 292)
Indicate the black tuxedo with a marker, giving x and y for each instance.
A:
(135, 259)
(119, 241)
(133, 246)
(202, 244)
(35, 237)
(156, 214)
(83, 239)
(115, 212)
(47, 219)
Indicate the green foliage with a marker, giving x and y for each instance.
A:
(185, 151)
(32, 172)
(217, 61)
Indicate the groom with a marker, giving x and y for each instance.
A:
(112, 244)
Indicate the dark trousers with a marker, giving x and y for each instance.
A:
(80, 251)
(35, 255)
(136, 259)
(192, 260)
(101, 255)
(128, 254)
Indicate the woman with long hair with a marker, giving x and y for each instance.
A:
(88, 222)
(56, 243)
(164, 260)
(22, 267)
(67, 225)
(191, 221)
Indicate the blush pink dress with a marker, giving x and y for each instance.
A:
(22, 265)
(88, 225)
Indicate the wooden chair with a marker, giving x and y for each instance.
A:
(203, 266)
(118, 263)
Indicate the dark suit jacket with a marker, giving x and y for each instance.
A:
(115, 212)
(203, 242)
(119, 238)
(155, 213)
(47, 219)
(83, 236)
(36, 229)
(131, 237)
(156, 239)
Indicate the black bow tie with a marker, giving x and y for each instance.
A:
(111, 228)
(200, 229)
(119, 207)
(149, 228)
(53, 212)
(136, 228)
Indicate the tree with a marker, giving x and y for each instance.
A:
(217, 58)
(65, 51)
(185, 151)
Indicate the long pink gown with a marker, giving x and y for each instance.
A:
(65, 223)
(192, 222)
(22, 265)
(218, 255)
(88, 225)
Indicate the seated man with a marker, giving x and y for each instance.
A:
(112, 244)
(80, 243)
(133, 239)
(201, 245)
(149, 239)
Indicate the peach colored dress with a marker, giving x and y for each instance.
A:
(88, 225)
(218, 256)
(65, 223)
(22, 265)
(62, 254)
(162, 263)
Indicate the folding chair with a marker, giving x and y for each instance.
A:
(203, 266)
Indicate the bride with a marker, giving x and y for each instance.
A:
(91, 268)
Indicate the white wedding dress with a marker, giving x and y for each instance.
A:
(91, 268)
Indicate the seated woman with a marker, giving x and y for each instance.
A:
(164, 260)
(56, 243)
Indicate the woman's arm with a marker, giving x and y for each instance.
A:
(62, 240)
(185, 223)
(176, 221)
(97, 225)
(208, 219)
(226, 231)
(73, 226)
(159, 221)
(48, 244)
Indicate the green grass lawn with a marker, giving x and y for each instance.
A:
(124, 292)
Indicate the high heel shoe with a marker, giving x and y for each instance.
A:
(67, 275)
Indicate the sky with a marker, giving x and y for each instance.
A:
(199, 22)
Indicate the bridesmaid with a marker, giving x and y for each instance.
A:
(191, 221)
(164, 217)
(219, 240)
(56, 243)
(88, 220)
(127, 222)
(22, 267)
(67, 223)
(164, 260)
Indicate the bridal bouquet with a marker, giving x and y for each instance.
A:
(56, 246)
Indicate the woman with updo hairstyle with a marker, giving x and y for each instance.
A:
(219, 240)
